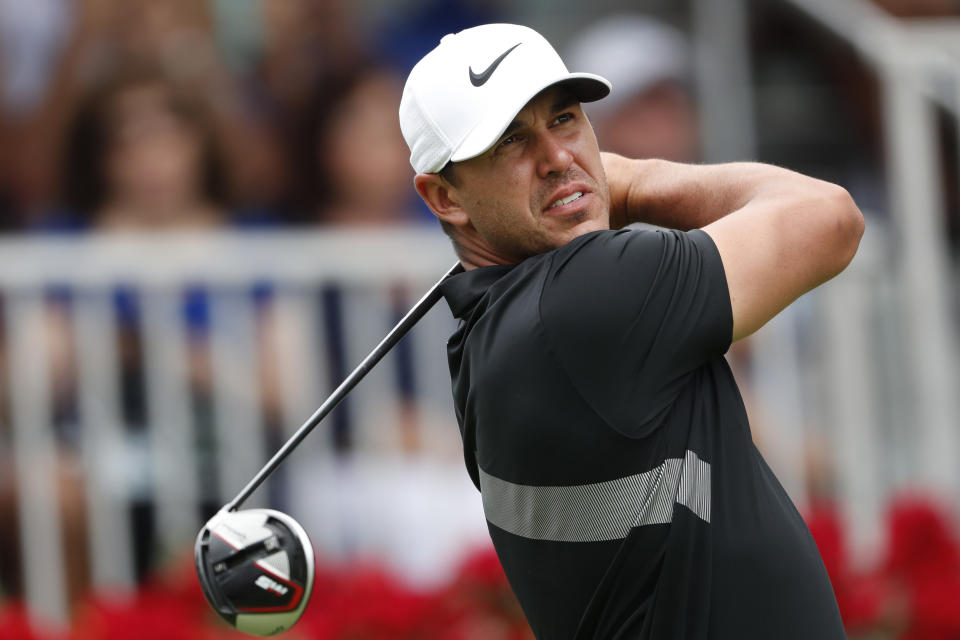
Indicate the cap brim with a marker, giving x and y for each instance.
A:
(587, 87)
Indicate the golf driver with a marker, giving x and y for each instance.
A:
(256, 566)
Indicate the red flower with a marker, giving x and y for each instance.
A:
(15, 624)
(863, 598)
(921, 540)
(824, 523)
(366, 604)
(924, 562)
(170, 606)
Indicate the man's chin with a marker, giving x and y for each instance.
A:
(550, 241)
(589, 224)
(568, 235)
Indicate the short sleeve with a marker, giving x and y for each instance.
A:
(629, 315)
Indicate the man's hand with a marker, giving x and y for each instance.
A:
(779, 233)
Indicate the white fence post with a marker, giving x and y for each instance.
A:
(853, 424)
(105, 445)
(923, 271)
(236, 390)
(35, 453)
(170, 421)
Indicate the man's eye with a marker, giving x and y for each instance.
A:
(507, 141)
(563, 118)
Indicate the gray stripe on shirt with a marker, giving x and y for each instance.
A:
(602, 510)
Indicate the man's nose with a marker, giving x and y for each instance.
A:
(554, 156)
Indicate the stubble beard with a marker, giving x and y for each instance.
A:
(538, 239)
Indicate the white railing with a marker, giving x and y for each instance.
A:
(289, 337)
(887, 337)
(376, 276)
(824, 366)
(917, 64)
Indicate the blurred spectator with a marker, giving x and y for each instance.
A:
(90, 33)
(31, 35)
(409, 30)
(142, 154)
(173, 35)
(353, 160)
(650, 113)
(278, 53)
(302, 41)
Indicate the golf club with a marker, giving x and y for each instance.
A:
(256, 566)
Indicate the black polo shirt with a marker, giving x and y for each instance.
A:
(622, 490)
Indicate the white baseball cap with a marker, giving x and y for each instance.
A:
(460, 97)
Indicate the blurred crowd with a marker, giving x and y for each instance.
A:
(177, 114)
(184, 114)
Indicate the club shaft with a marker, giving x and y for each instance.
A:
(420, 309)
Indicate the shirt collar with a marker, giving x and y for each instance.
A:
(463, 290)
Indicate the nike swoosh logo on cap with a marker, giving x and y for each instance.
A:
(480, 79)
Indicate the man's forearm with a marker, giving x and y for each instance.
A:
(686, 196)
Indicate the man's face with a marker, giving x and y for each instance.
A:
(540, 186)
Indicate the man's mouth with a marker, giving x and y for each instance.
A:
(576, 195)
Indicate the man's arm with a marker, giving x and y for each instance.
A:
(779, 233)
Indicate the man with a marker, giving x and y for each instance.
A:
(599, 418)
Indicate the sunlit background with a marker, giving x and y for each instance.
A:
(208, 220)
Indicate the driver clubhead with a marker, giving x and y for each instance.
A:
(256, 568)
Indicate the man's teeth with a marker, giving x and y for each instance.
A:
(569, 198)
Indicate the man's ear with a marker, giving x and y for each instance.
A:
(442, 198)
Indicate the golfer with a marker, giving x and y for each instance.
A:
(599, 417)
